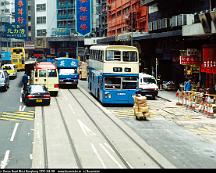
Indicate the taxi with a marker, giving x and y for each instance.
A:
(11, 70)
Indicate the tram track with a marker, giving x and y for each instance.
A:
(144, 156)
(104, 135)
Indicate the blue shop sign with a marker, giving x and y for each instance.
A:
(83, 17)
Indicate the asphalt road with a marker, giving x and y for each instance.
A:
(16, 128)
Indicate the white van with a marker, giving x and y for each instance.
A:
(45, 73)
(148, 85)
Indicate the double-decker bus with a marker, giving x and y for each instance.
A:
(18, 57)
(113, 73)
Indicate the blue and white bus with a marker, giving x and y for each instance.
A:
(113, 73)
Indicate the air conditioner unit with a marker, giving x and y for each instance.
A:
(185, 19)
(164, 23)
(213, 15)
(205, 21)
(173, 21)
(150, 26)
(154, 27)
(159, 26)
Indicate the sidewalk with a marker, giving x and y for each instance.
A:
(168, 95)
(196, 122)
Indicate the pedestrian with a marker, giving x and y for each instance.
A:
(188, 86)
(159, 82)
(25, 81)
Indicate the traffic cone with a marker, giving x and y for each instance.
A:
(210, 111)
(206, 109)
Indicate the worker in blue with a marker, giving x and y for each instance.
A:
(188, 86)
(25, 81)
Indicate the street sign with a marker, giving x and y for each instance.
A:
(83, 17)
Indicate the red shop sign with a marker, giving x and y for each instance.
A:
(190, 60)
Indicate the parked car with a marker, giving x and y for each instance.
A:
(147, 85)
(4, 80)
(11, 70)
(169, 85)
(36, 94)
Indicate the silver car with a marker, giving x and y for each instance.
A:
(4, 80)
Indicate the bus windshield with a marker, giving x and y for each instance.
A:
(67, 71)
(121, 82)
(17, 51)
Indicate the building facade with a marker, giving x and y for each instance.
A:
(126, 16)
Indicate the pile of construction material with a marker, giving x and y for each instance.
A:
(141, 110)
(83, 70)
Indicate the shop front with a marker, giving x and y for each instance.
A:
(191, 60)
(208, 67)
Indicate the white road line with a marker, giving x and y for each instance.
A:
(23, 108)
(98, 156)
(30, 156)
(87, 131)
(20, 107)
(14, 132)
(5, 161)
(110, 155)
(71, 108)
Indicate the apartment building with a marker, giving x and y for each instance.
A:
(126, 16)
(183, 39)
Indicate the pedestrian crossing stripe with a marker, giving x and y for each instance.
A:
(122, 113)
(15, 116)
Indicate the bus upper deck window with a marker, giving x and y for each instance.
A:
(130, 56)
(113, 55)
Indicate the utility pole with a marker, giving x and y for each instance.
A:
(132, 22)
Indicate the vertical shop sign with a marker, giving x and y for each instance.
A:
(83, 17)
(21, 18)
(209, 60)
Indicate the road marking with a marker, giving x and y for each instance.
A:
(14, 132)
(23, 108)
(110, 155)
(71, 108)
(85, 129)
(5, 161)
(30, 156)
(20, 107)
(98, 156)
(17, 116)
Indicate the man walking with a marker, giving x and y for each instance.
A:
(25, 81)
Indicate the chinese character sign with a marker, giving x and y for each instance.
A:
(12, 30)
(21, 17)
(83, 17)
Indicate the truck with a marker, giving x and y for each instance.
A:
(5, 57)
(68, 71)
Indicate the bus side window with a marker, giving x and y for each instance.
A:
(42, 73)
